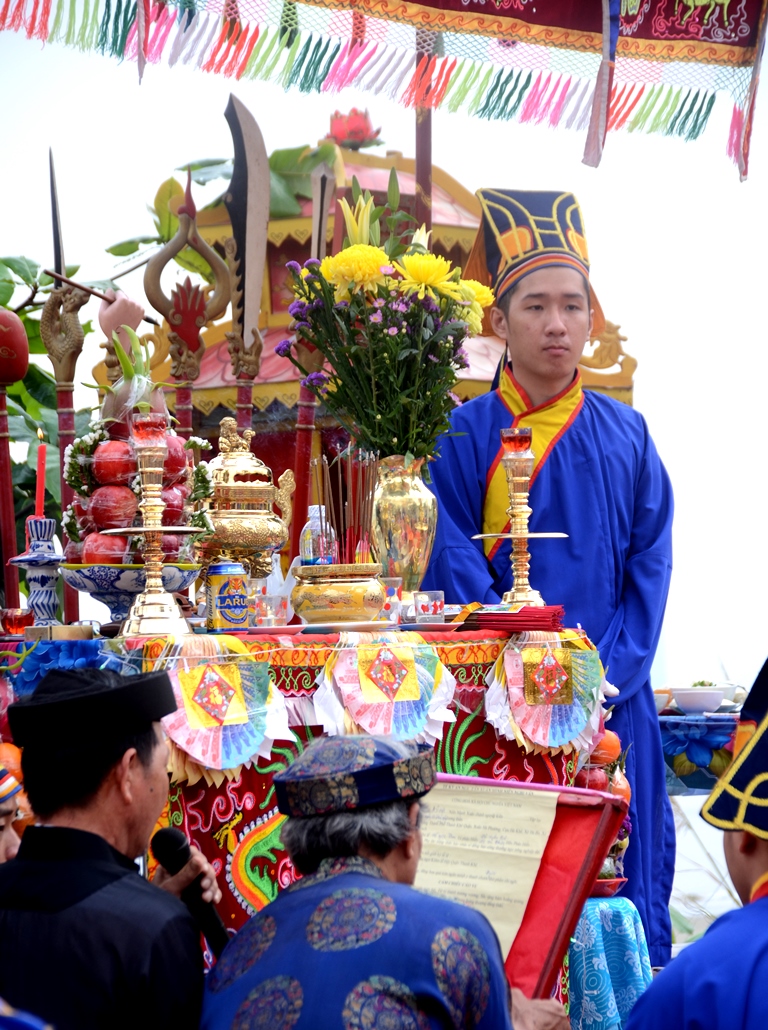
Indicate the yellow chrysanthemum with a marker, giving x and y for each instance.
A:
(473, 316)
(427, 273)
(356, 268)
(475, 291)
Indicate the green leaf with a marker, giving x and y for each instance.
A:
(193, 262)
(356, 191)
(25, 269)
(295, 164)
(102, 284)
(41, 386)
(168, 223)
(127, 247)
(45, 280)
(393, 190)
(206, 171)
(71, 270)
(6, 290)
(32, 327)
(282, 202)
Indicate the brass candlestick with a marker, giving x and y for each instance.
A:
(154, 611)
(518, 461)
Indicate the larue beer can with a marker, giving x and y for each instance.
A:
(226, 597)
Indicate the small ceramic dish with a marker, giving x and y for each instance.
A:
(695, 700)
(662, 699)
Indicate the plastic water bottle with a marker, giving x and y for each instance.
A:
(317, 543)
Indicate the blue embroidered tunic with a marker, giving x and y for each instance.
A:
(603, 484)
(718, 983)
(345, 949)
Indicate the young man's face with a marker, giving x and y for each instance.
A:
(9, 839)
(546, 327)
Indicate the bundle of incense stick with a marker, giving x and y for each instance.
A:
(345, 489)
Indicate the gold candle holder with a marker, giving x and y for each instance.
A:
(518, 461)
(154, 610)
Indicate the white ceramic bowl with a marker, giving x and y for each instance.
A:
(661, 699)
(694, 700)
(117, 585)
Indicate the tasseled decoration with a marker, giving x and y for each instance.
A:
(185, 32)
(546, 103)
(621, 118)
(202, 32)
(237, 52)
(4, 13)
(17, 17)
(699, 123)
(307, 84)
(459, 95)
(160, 38)
(69, 35)
(106, 18)
(129, 17)
(575, 116)
(208, 42)
(220, 42)
(235, 31)
(477, 99)
(247, 52)
(533, 99)
(650, 100)
(398, 78)
(289, 23)
(41, 31)
(289, 61)
(441, 86)
(734, 134)
(556, 109)
(57, 20)
(515, 100)
(260, 53)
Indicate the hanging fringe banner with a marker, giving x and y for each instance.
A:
(654, 67)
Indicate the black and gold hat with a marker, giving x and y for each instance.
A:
(739, 799)
(90, 701)
(522, 231)
(340, 774)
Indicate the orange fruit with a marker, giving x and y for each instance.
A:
(620, 785)
(10, 758)
(607, 750)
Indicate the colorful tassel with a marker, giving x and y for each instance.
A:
(289, 61)
(4, 13)
(477, 99)
(228, 69)
(558, 107)
(17, 17)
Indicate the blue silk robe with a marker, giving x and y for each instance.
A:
(718, 983)
(604, 485)
(345, 949)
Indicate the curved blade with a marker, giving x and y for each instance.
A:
(247, 202)
(58, 246)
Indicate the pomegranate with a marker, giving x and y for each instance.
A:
(592, 779)
(14, 348)
(113, 507)
(174, 505)
(170, 544)
(115, 462)
(176, 459)
(104, 550)
(73, 552)
(80, 506)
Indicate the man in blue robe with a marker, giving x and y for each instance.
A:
(597, 477)
(352, 945)
(719, 982)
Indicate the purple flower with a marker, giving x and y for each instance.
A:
(379, 302)
(297, 309)
(386, 269)
(392, 330)
(301, 325)
(433, 358)
(283, 349)
(461, 358)
(311, 262)
(294, 266)
(429, 305)
(375, 317)
(316, 380)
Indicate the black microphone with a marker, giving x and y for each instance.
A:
(171, 849)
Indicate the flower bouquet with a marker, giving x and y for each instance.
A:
(389, 323)
(379, 339)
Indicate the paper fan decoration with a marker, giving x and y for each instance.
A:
(227, 714)
(547, 697)
(400, 689)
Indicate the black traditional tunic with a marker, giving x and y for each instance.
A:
(85, 942)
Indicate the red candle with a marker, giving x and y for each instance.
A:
(40, 487)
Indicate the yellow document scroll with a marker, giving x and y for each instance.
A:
(483, 847)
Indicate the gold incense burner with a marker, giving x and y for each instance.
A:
(337, 593)
(246, 528)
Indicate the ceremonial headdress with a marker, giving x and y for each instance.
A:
(522, 231)
(739, 799)
(95, 701)
(9, 785)
(340, 774)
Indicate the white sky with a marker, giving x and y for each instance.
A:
(678, 259)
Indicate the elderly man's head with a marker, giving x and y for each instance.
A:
(356, 796)
(105, 728)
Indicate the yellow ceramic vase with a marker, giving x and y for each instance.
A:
(337, 593)
(404, 521)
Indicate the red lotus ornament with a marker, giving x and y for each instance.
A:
(353, 130)
(14, 348)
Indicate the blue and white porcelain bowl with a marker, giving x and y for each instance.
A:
(117, 585)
